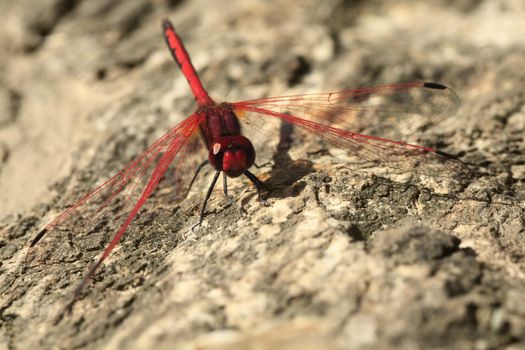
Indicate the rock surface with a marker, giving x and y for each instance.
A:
(341, 257)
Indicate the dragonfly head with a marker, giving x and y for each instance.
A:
(231, 154)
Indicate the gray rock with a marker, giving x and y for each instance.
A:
(343, 255)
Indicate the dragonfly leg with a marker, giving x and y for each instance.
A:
(208, 194)
(259, 166)
(258, 183)
(230, 199)
(202, 165)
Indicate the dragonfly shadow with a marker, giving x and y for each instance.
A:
(284, 178)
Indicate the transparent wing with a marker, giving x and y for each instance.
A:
(396, 109)
(389, 111)
(122, 196)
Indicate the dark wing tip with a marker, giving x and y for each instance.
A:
(462, 168)
(38, 237)
(436, 86)
(446, 155)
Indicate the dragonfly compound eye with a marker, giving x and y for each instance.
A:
(234, 162)
(231, 154)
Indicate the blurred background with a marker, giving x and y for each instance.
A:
(70, 67)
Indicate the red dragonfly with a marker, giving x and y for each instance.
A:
(222, 131)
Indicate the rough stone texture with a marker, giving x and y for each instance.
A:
(340, 257)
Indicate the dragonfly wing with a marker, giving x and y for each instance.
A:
(332, 116)
(389, 111)
(123, 195)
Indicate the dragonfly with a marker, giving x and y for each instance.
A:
(220, 135)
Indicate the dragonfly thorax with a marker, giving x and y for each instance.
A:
(231, 154)
(220, 121)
